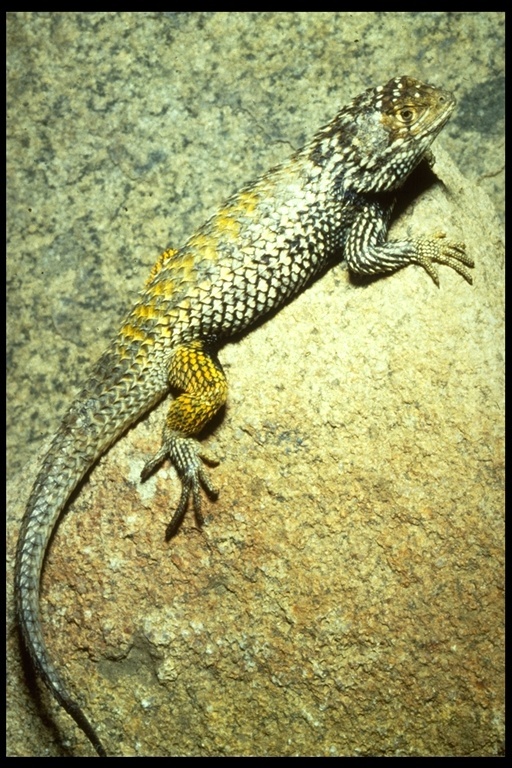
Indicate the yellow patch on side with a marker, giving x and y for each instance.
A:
(227, 224)
(163, 288)
(162, 259)
(206, 245)
(145, 311)
(245, 203)
(133, 333)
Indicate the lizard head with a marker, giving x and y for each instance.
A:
(382, 135)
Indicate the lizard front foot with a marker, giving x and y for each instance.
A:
(186, 455)
(437, 248)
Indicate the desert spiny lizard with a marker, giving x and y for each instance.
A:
(332, 199)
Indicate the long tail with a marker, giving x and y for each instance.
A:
(101, 413)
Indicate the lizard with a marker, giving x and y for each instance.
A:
(331, 200)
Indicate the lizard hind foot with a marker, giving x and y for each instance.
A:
(186, 455)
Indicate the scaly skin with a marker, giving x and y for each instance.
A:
(331, 199)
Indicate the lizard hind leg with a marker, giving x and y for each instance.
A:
(203, 392)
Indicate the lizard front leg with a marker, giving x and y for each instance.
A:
(368, 252)
(203, 387)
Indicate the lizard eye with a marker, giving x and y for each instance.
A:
(407, 115)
